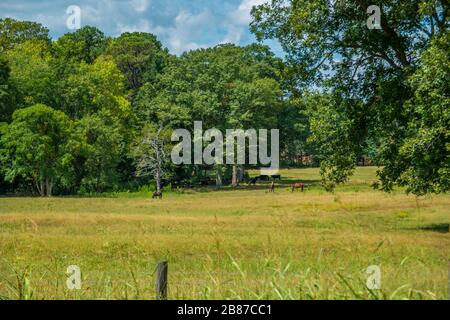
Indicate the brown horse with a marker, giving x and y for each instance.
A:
(157, 194)
(272, 188)
(297, 186)
(253, 181)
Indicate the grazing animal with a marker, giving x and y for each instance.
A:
(157, 194)
(253, 181)
(276, 177)
(297, 186)
(272, 187)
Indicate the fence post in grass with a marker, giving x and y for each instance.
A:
(161, 280)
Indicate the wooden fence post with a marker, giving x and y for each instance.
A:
(161, 280)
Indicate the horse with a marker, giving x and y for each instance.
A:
(157, 194)
(297, 186)
(253, 181)
(272, 188)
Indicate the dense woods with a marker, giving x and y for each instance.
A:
(75, 112)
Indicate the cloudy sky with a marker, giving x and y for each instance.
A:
(180, 24)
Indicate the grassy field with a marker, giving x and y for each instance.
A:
(229, 244)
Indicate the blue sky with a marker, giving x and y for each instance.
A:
(180, 24)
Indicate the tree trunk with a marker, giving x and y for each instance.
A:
(241, 173)
(235, 180)
(49, 186)
(40, 186)
(158, 171)
(158, 180)
(219, 181)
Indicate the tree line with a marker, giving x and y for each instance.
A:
(76, 113)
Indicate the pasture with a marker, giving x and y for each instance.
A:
(229, 244)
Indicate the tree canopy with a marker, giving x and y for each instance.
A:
(140, 57)
(86, 113)
(34, 147)
(366, 76)
(13, 32)
(85, 44)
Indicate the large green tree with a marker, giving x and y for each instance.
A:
(140, 57)
(85, 44)
(13, 32)
(32, 73)
(366, 71)
(96, 149)
(425, 152)
(34, 147)
(96, 95)
(90, 88)
(225, 87)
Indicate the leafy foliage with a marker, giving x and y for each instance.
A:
(367, 73)
(96, 110)
(225, 87)
(13, 32)
(34, 147)
(97, 145)
(7, 92)
(32, 73)
(425, 152)
(94, 87)
(139, 56)
(85, 44)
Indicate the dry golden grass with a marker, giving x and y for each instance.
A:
(229, 244)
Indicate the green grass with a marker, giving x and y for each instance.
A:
(229, 244)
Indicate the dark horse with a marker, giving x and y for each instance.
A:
(297, 186)
(157, 194)
(272, 187)
(253, 181)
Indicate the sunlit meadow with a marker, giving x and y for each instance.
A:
(240, 243)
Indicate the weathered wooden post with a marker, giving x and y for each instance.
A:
(161, 280)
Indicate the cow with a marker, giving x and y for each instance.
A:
(297, 186)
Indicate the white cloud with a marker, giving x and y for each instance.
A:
(140, 5)
(180, 24)
(141, 26)
(178, 37)
(237, 21)
(244, 9)
(187, 26)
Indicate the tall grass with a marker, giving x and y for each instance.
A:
(229, 244)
